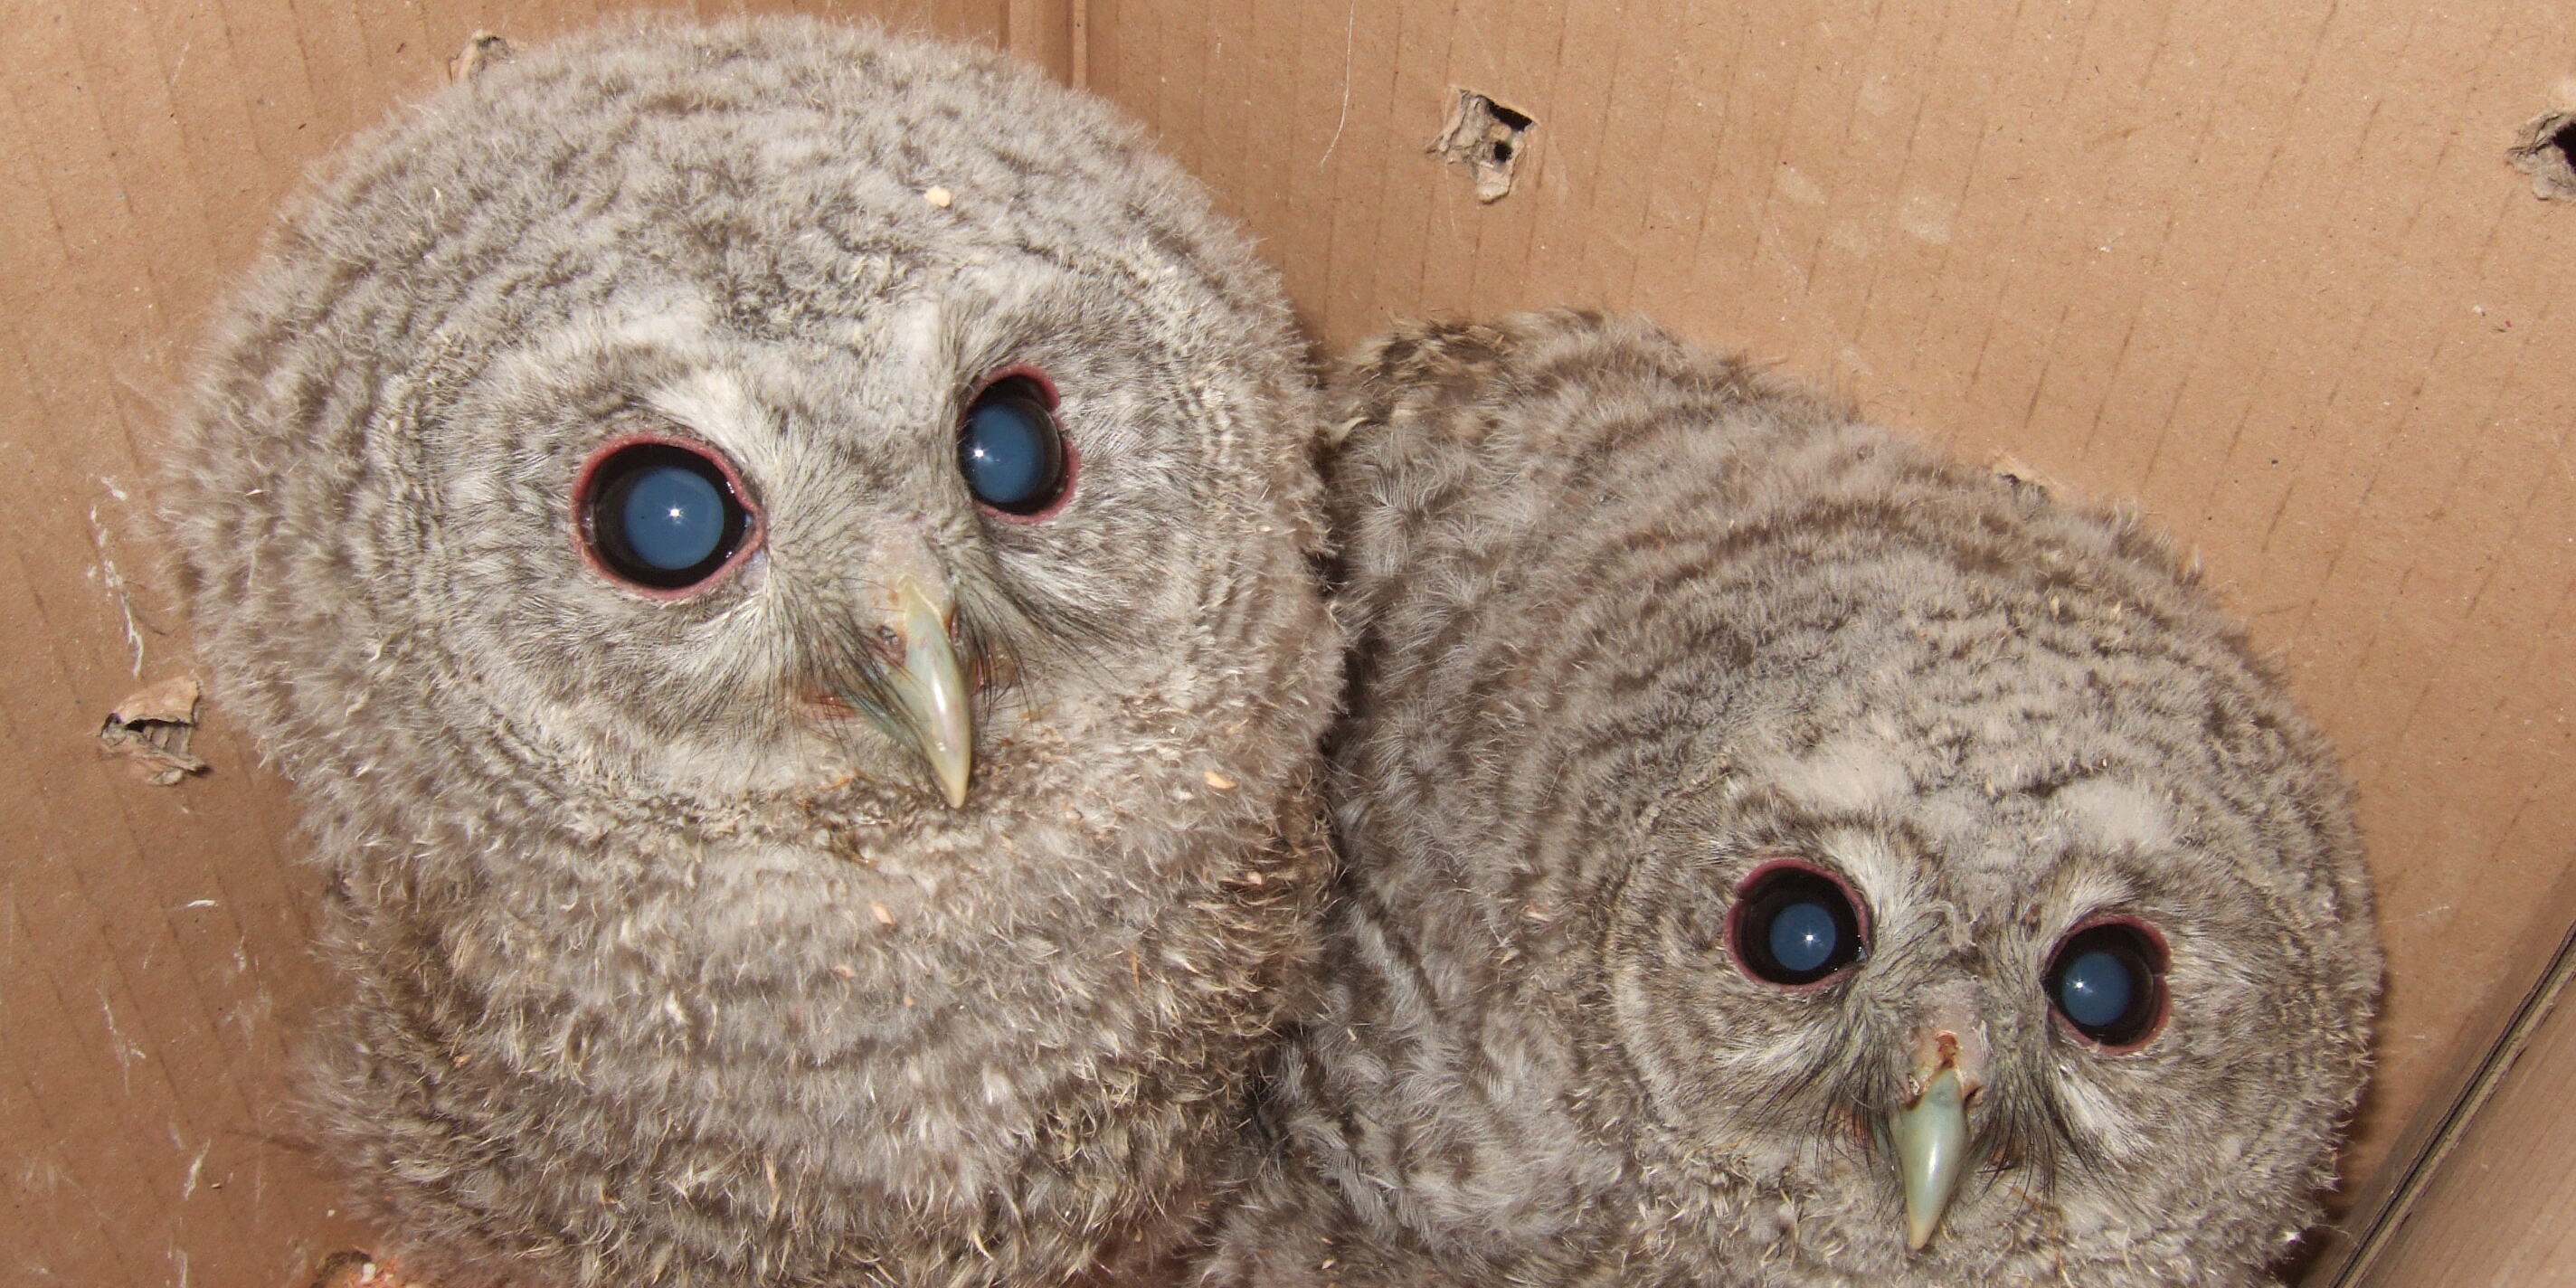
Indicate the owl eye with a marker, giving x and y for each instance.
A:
(2107, 982)
(1794, 923)
(1012, 452)
(660, 514)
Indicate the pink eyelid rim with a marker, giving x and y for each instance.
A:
(1072, 455)
(752, 536)
(1735, 920)
(2164, 993)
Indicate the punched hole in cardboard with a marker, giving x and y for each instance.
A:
(151, 728)
(2547, 153)
(1487, 138)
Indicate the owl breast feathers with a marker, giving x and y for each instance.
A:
(1778, 856)
(776, 559)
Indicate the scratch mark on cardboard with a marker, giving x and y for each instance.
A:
(1350, 29)
(196, 1169)
(126, 1053)
(109, 577)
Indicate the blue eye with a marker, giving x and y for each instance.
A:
(661, 515)
(674, 517)
(2107, 981)
(2096, 988)
(1792, 924)
(1010, 449)
(1804, 936)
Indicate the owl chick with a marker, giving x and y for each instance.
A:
(777, 560)
(1778, 856)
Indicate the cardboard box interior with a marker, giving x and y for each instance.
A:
(2261, 267)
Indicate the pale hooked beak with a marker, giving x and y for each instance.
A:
(1929, 1133)
(933, 705)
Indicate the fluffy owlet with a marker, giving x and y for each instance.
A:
(777, 560)
(1778, 856)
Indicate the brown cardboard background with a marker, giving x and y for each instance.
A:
(2487, 1197)
(2258, 265)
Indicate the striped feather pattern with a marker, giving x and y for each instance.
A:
(1631, 619)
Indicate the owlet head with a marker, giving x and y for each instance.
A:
(682, 413)
(1831, 864)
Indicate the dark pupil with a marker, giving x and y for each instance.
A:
(663, 516)
(1011, 451)
(1797, 927)
(1804, 936)
(2105, 983)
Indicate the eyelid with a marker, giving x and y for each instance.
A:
(1071, 481)
(1019, 371)
(1743, 950)
(2159, 975)
(1763, 870)
(2154, 934)
(755, 520)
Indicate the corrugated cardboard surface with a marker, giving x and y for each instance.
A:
(2493, 1203)
(2258, 265)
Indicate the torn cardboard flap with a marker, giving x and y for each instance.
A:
(152, 727)
(2547, 152)
(1486, 138)
(482, 49)
(2013, 470)
(355, 1269)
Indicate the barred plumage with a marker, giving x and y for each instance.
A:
(667, 961)
(1638, 630)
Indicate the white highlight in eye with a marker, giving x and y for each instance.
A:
(2116, 815)
(1845, 775)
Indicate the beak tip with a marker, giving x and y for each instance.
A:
(933, 693)
(1931, 1141)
